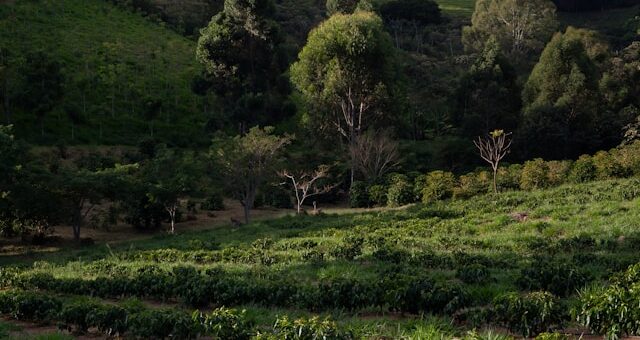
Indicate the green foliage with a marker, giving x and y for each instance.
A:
(538, 20)
(377, 194)
(350, 248)
(488, 95)
(29, 306)
(559, 278)
(534, 175)
(400, 191)
(240, 52)
(358, 195)
(225, 323)
(247, 161)
(552, 336)
(583, 170)
(473, 273)
(341, 6)
(528, 314)
(163, 324)
(305, 328)
(346, 58)
(563, 87)
(439, 185)
(473, 184)
(109, 62)
(613, 310)
(213, 202)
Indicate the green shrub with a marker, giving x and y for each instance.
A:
(29, 306)
(224, 323)
(378, 195)
(305, 329)
(349, 248)
(161, 324)
(425, 295)
(607, 166)
(358, 195)
(214, 202)
(74, 315)
(400, 191)
(583, 170)
(509, 177)
(528, 314)
(558, 172)
(552, 336)
(473, 184)
(534, 175)
(628, 157)
(110, 320)
(613, 310)
(439, 185)
(473, 273)
(558, 277)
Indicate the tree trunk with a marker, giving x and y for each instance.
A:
(495, 180)
(173, 222)
(77, 222)
(247, 216)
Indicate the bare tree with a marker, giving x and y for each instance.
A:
(374, 154)
(493, 149)
(305, 184)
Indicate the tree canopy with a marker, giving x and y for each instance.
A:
(522, 27)
(347, 72)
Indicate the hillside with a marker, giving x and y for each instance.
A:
(464, 253)
(113, 64)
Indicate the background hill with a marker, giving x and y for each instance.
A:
(126, 68)
(124, 77)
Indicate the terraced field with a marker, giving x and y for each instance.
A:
(440, 270)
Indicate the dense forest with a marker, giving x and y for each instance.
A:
(412, 169)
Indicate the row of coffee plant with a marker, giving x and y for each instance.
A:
(401, 189)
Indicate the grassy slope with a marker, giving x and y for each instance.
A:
(457, 7)
(152, 60)
(611, 22)
(595, 221)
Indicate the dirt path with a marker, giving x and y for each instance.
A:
(62, 236)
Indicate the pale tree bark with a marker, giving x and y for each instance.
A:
(305, 184)
(353, 108)
(172, 209)
(493, 149)
(374, 153)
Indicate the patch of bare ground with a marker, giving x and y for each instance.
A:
(62, 236)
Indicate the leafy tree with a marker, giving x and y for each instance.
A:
(171, 176)
(247, 161)
(341, 6)
(347, 72)
(239, 51)
(488, 95)
(82, 190)
(561, 96)
(522, 27)
(620, 86)
(27, 202)
(45, 85)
